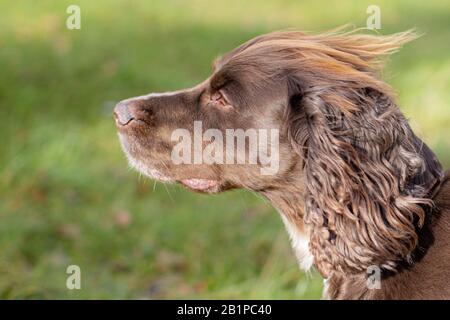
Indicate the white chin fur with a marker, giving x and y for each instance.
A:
(139, 166)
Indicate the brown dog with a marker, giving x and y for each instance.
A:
(365, 201)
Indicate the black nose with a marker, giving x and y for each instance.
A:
(122, 113)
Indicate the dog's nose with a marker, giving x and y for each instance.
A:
(123, 113)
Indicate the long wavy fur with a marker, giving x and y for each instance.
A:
(367, 174)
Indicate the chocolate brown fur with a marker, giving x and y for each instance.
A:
(353, 176)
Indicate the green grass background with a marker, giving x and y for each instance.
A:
(66, 195)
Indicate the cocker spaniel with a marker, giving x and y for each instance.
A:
(360, 194)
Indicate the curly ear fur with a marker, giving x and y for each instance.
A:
(367, 174)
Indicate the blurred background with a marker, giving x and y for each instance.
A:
(66, 193)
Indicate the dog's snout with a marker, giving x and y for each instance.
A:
(123, 112)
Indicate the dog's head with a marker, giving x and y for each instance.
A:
(290, 108)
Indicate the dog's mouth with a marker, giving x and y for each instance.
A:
(201, 185)
(197, 184)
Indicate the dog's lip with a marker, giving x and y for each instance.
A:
(201, 185)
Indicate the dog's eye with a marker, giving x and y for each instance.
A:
(218, 99)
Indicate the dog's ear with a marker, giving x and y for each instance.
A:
(367, 175)
(360, 206)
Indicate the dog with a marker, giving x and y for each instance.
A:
(364, 200)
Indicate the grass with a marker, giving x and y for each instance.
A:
(66, 196)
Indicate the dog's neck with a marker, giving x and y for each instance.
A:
(289, 202)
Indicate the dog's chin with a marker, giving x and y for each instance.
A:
(193, 184)
(151, 172)
(196, 184)
(144, 168)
